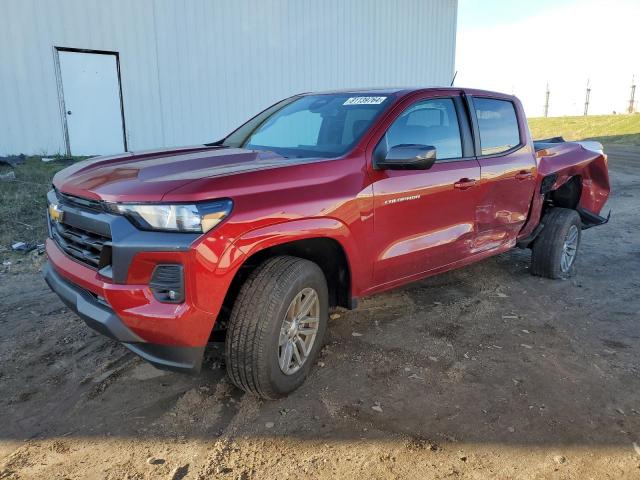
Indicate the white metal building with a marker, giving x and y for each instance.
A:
(102, 76)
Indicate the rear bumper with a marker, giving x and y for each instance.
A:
(100, 317)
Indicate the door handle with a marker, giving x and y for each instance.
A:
(464, 183)
(523, 175)
(68, 112)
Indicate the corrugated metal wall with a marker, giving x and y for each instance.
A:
(191, 70)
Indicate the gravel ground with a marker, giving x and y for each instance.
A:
(484, 372)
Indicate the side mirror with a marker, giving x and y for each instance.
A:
(408, 157)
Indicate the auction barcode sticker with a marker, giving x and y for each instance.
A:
(364, 100)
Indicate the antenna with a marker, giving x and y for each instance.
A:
(586, 99)
(454, 78)
(546, 101)
(633, 94)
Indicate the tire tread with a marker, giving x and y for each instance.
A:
(259, 298)
(544, 258)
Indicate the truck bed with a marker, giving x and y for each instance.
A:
(549, 143)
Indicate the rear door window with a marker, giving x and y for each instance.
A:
(498, 125)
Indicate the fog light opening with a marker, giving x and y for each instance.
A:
(167, 283)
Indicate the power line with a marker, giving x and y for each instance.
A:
(586, 99)
(633, 94)
(546, 101)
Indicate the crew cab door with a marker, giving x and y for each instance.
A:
(508, 170)
(423, 219)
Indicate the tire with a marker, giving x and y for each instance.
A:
(252, 346)
(562, 229)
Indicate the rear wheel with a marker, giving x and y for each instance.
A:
(276, 327)
(556, 248)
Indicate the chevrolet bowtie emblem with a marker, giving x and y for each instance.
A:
(56, 213)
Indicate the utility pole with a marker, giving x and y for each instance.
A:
(633, 94)
(546, 102)
(586, 99)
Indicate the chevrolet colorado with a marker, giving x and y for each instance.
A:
(315, 202)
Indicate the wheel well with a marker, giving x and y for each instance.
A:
(565, 196)
(568, 195)
(327, 253)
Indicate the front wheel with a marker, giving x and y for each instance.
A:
(276, 327)
(554, 251)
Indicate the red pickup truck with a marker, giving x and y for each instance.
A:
(317, 201)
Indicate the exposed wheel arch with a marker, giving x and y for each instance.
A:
(568, 194)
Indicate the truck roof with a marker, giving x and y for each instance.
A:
(402, 91)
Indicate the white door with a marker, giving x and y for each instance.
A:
(91, 92)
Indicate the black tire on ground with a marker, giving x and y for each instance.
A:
(251, 345)
(548, 247)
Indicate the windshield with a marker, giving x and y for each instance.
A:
(326, 125)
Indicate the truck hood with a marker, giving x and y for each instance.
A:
(148, 176)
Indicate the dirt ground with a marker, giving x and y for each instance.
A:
(484, 372)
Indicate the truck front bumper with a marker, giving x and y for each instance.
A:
(112, 290)
(99, 316)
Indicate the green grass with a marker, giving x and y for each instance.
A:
(612, 129)
(23, 203)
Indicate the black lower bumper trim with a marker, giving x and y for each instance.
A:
(590, 219)
(169, 357)
(103, 319)
(98, 316)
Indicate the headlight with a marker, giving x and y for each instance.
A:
(198, 218)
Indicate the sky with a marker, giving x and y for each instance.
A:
(518, 46)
